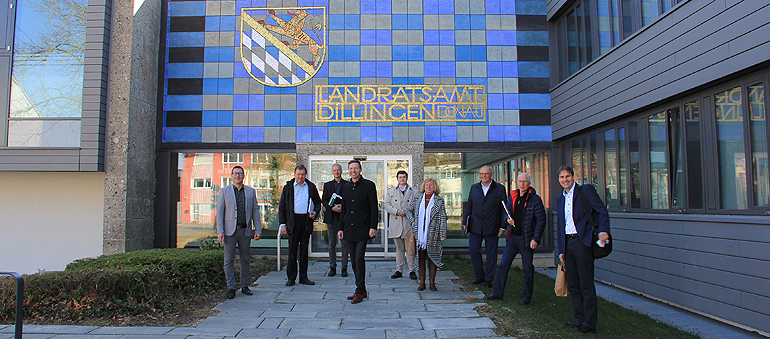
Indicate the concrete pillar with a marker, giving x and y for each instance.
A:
(129, 190)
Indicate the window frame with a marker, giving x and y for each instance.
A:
(709, 153)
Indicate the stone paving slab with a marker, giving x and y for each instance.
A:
(139, 330)
(150, 336)
(28, 336)
(263, 333)
(409, 334)
(337, 334)
(456, 323)
(87, 336)
(316, 323)
(466, 333)
(381, 324)
(205, 331)
(52, 329)
(440, 314)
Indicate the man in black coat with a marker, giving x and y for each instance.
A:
(332, 220)
(525, 233)
(297, 209)
(485, 220)
(358, 223)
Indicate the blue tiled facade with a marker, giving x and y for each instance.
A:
(210, 97)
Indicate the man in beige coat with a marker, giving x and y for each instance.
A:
(397, 200)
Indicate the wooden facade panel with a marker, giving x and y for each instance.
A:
(734, 281)
(756, 303)
(647, 263)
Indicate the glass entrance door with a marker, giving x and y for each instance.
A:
(381, 169)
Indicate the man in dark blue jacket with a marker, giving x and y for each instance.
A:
(485, 220)
(574, 234)
(525, 233)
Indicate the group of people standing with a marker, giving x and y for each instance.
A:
(417, 223)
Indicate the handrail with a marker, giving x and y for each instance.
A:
(19, 301)
(278, 249)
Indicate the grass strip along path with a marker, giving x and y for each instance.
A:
(545, 316)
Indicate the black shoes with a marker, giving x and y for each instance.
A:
(344, 272)
(574, 324)
(332, 272)
(492, 297)
(230, 293)
(478, 281)
(290, 283)
(490, 284)
(584, 329)
(245, 290)
(524, 302)
(396, 275)
(412, 275)
(307, 282)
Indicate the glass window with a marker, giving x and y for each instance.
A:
(587, 32)
(47, 73)
(758, 125)
(658, 161)
(611, 169)
(605, 28)
(732, 153)
(677, 163)
(615, 22)
(633, 153)
(623, 166)
(649, 11)
(666, 5)
(577, 161)
(628, 18)
(465, 167)
(572, 43)
(232, 158)
(196, 211)
(694, 162)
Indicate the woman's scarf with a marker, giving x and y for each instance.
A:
(424, 221)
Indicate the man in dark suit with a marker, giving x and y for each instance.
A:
(332, 220)
(358, 223)
(297, 209)
(485, 220)
(526, 232)
(574, 245)
(237, 222)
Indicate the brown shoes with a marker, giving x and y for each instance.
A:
(422, 286)
(357, 298)
(365, 295)
(433, 287)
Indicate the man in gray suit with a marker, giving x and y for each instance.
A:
(237, 222)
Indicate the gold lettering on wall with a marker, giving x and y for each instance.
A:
(400, 103)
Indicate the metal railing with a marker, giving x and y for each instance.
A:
(19, 301)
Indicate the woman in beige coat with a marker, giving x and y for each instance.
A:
(428, 217)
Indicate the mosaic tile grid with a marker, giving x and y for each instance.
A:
(211, 98)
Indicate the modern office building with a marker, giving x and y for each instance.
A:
(126, 117)
(661, 105)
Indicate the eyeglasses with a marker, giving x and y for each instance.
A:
(238, 173)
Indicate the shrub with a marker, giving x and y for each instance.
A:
(122, 284)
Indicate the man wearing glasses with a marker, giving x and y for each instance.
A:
(238, 222)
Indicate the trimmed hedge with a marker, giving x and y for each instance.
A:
(120, 284)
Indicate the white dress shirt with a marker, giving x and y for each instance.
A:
(486, 188)
(569, 227)
(302, 202)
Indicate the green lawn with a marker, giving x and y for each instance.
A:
(545, 316)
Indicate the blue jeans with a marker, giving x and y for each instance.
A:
(474, 247)
(579, 263)
(514, 246)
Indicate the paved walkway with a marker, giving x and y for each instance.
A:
(395, 309)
